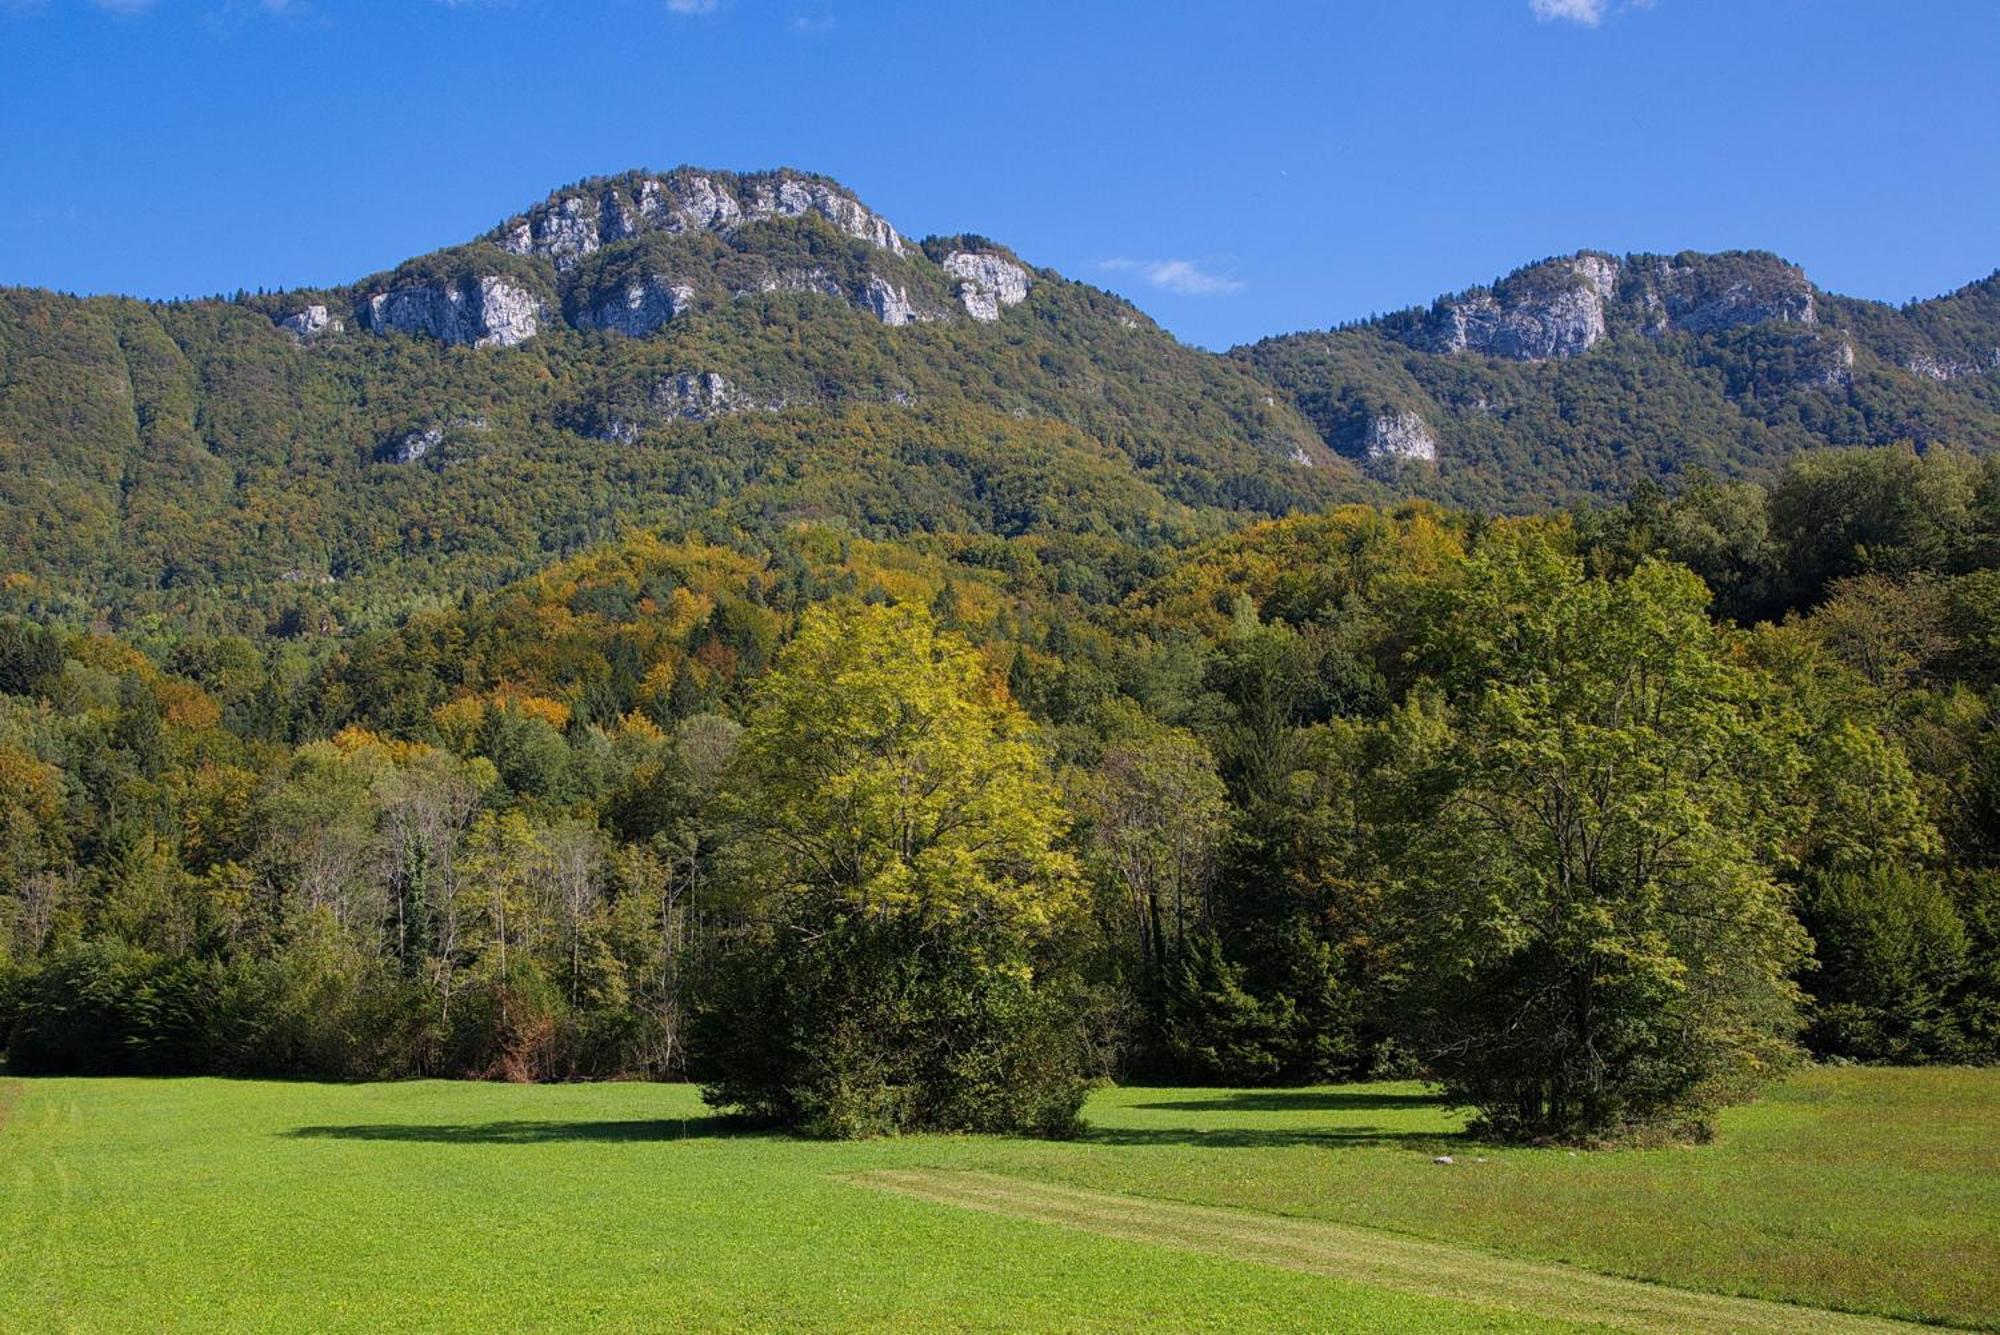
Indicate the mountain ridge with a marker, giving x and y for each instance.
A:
(756, 349)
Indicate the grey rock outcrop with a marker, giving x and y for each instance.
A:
(310, 323)
(689, 396)
(1398, 436)
(482, 312)
(571, 226)
(1563, 308)
(1946, 369)
(1689, 298)
(815, 280)
(697, 396)
(792, 197)
(987, 283)
(410, 448)
(1554, 310)
(1825, 361)
(891, 304)
(641, 307)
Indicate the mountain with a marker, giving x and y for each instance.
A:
(681, 348)
(1579, 376)
(729, 353)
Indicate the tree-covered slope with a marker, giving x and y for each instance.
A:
(1581, 376)
(744, 351)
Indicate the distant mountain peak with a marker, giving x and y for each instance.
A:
(1562, 307)
(582, 219)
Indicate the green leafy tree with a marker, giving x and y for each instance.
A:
(1587, 838)
(908, 893)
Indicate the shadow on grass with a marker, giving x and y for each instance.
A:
(1240, 1138)
(534, 1133)
(1298, 1100)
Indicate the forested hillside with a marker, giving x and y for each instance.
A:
(749, 352)
(1253, 792)
(1578, 378)
(332, 459)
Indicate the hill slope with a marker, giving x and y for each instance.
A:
(745, 352)
(688, 347)
(1581, 375)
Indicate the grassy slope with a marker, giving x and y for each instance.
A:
(141, 1204)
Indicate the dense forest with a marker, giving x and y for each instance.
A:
(692, 632)
(1598, 818)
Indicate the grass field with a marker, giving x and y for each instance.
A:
(224, 1205)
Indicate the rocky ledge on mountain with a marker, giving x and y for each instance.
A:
(1823, 360)
(1564, 307)
(1550, 310)
(483, 311)
(1946, 369)
(641, 307)
(890, 303)
(987, 283)
(573, 224)
(687, 396)
(1397, 437)
(1707, 293)
(310, 323)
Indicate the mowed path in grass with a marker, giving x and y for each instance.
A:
(225, 1205)
(1374, 1257)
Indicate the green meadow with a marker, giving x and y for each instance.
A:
(1845, 1198)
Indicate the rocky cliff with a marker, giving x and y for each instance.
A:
(480, 310)
(1562, 308)
(1585, 373)
(632, 254)
(575, 223)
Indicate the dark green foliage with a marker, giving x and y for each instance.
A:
(863, 1027)
(1893, 958)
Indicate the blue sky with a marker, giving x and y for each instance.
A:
(1236, 168)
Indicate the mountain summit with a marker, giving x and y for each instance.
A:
(751, 351)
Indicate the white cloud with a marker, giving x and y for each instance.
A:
(124, 6)
(811, 26)
(1589, 13)
(1186, 277)
(691, 6)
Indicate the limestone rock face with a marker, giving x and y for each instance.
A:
(890, 303)
(1694, 302)
(814, 279)
(1563, 308)
(1945, 369)
(482, 312)
(1826, 361)
(311, 322)
(640, 308)
(792, 197)
(571, 226)
(1550, 311)
(689, 396)
(1399, 436)
(987, 283)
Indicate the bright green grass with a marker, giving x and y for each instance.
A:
(223, 1205)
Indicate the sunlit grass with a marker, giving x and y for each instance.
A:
(213, 1204)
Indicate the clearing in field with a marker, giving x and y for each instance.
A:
(1844, 1200)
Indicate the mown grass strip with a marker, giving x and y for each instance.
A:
(1373, 1257)
(10, 1093)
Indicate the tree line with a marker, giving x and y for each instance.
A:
(1599, 820)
